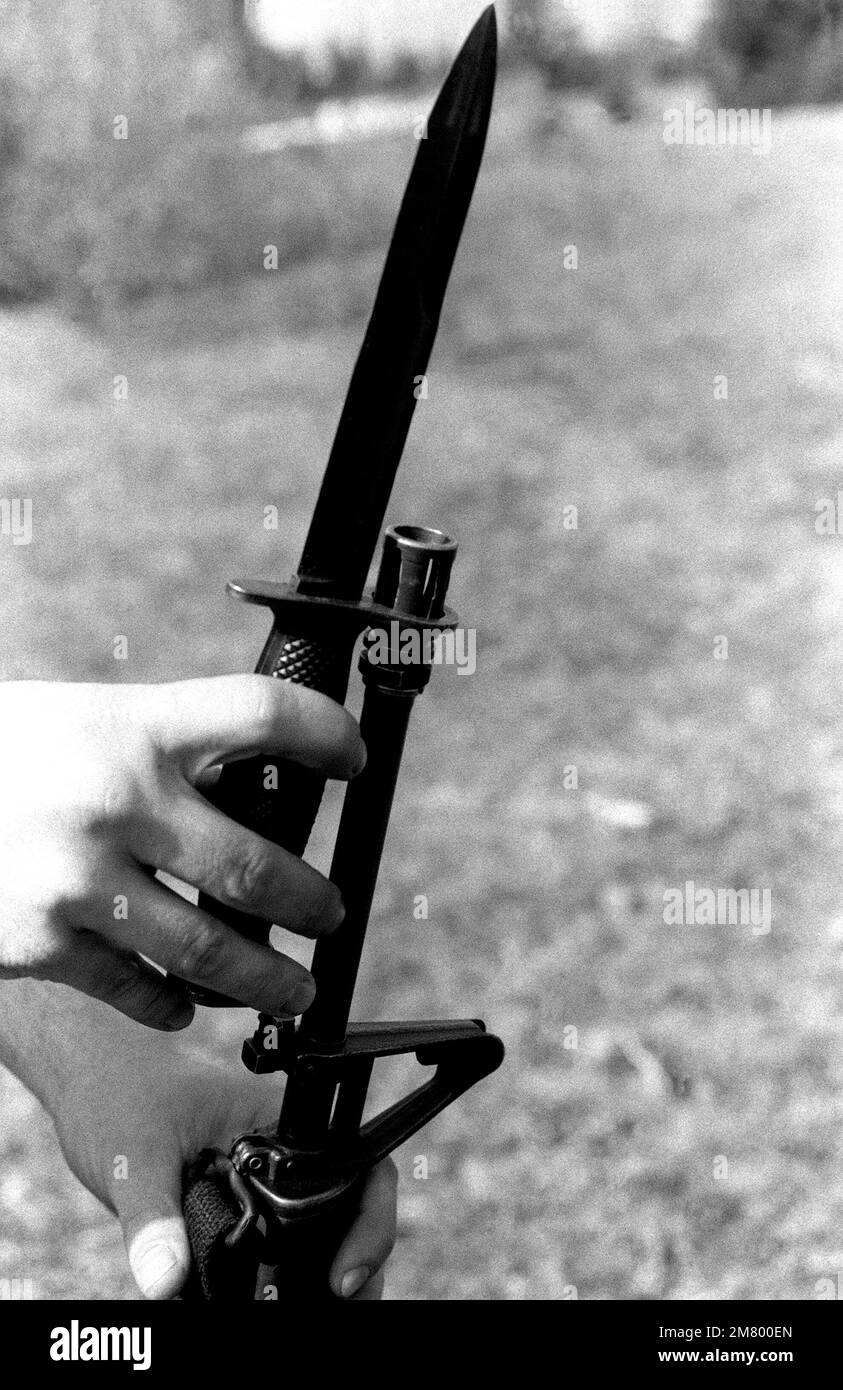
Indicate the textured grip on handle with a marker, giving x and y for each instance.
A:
(292, 1262)
(284, 815)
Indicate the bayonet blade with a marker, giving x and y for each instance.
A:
(381, 397)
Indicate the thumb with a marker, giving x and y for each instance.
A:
(355, 1272)
(158, 1249)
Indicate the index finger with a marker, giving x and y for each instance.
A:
(222, 718)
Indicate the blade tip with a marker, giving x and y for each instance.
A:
(482, 39)
(489, 20)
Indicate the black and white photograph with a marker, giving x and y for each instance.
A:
(421, 536)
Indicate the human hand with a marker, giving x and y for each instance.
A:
(130, 1121)
(99, 781)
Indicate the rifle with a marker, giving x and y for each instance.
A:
(273, 1211)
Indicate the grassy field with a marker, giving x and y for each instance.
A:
(640, 1055)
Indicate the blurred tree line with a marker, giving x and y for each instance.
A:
(775, 52)
(752, 52)
(122, 171)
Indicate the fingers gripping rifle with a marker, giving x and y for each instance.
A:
(273, 1212)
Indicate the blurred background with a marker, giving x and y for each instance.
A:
(633, 428)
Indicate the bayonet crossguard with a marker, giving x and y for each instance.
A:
(273, 1213)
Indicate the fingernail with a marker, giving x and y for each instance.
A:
(154, 1266)
(335, 915)
(182, 1019)
(353, 1281)
(301, 998)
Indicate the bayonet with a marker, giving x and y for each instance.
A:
(312, 643)
(396, 350)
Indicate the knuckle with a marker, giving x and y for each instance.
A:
(201, 956)
(113, 807)
(272, 706)
(135, 996)
(248, 880)
(323, 909)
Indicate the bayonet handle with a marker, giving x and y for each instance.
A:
(276, 799)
